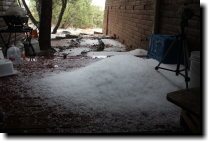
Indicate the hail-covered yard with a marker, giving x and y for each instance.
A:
(89, 91)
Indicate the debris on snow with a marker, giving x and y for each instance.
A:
(101, 45)
(65, 55)
(89, 42)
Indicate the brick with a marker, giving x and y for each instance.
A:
(132, 20)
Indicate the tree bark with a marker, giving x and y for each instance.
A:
(64, 3)
(36, 23)
(45, 25)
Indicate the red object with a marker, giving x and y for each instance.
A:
(34, 34)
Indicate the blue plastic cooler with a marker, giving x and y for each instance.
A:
(159, 44)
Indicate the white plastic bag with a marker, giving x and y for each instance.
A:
(1, 54)
(14, 54)
(35, 44)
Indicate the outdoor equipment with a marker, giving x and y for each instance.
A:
(185, 15)
(15, 22)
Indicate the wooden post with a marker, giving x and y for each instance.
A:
(107, 21)
(156, 17)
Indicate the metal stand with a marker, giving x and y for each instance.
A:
(6, 43)
(15, 24)
(185, 14)
(182, 53)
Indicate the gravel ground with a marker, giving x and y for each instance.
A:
(23, 112)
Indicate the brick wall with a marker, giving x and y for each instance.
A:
(130, 20)
(133, 20)
(170, 21)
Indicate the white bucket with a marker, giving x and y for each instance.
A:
(195, 69)
(14, 54)
(6, 68)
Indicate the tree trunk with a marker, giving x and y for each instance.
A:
(36, 23)
(64, 3)
(45, 25)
